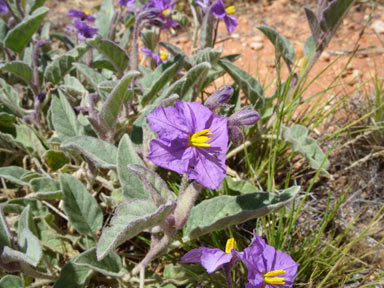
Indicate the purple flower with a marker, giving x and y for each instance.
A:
(82, 15)
(159, 59)
(165, 7)
(203, 3)
(192, 140)
(3, 7)
(213, 259)
(268, 268)
(219, 11)
(84, 29)
(128, 3)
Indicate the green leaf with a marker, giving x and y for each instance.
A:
(30, 250)
(104, 18)
(46, 188)
(3, 29)
(309, 48)
(60, 66)
(297, 136)
(333, 15)
(92, 77)
(223, 211)
(5, 233)
(72, 86)
(102, 153)
(188, 81)
(285, 47)
(251, 88)
(20, 69)
(115, 54)
(112, 106)
(107, 86)
(130, 219)
(63, 117)
(26, 221)
(209, 55)
(74, 276)
(10, 98)
(152, 181)
(11, 281)
(314, 24)
(241, 186)
(13, 174)
(163, 74)
(55, 159)
(19, 36)
(79, 205)
(131, 184)
(111, 265)
(32, 5)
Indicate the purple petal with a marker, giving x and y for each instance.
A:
(208, 170)
(285, 262)
(168, 123)
(148, 52)
(128, 3)
(192, 256)
(3, 8)
(218, 9)
(80, 15)
(230, 23)
(85, 30)
(174, 156)
(196, 115)
(219, 141)
(214, 259)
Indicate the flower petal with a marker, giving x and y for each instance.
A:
(175, 155)
(192, 256)
(230, 23)
(214, 259)
(168, 123)
(208, 170)
(218, 9)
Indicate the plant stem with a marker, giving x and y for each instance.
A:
(228, 276)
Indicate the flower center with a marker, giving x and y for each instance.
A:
(163, 55)
(166, 12)
(199, 138)
(231, 244)
(230, 10)
(269, 279)
(87, 12)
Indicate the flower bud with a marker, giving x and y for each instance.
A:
(219, 97)
(236, 135)
(243, 118)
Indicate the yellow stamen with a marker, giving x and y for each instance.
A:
(269, 279)
(275, 273)
(230, 10)
(231, 244)
(163, 55)
(87, 12)
(199, 138)
(166, 12)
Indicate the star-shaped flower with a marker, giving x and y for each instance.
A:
(84, 29)
(82, 15)
(268, 268)
(3, 7)
(218, 10)
(165, 7)
(212, 259)
(192, 140)
(159, 59)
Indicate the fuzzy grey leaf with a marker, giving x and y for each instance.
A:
(251, 88)
(20, 69)
(19, 36)
(92, 147)
(111, 265)
(5, 233)
(79, 205)
(131, 184)
(130, 219)
(46, 188)
(60, 66)
(112, 106)
(223, 211)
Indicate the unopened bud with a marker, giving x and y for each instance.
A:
(236, 135)
(219, 97)
(243, 118)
